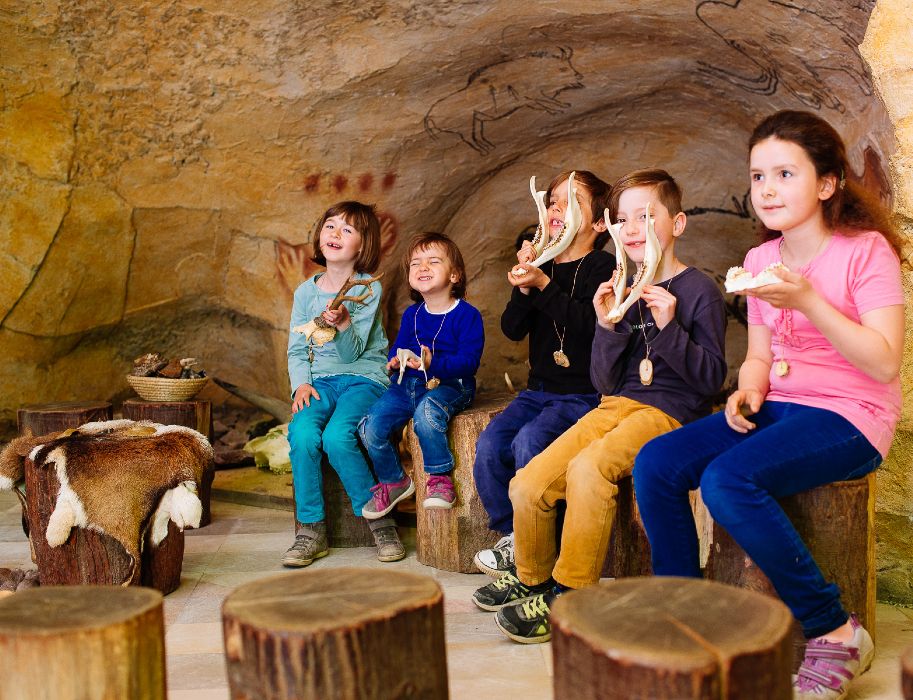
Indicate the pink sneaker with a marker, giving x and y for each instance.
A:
(386, 496)
(440, 492)
(829, 667)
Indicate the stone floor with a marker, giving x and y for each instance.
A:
(244, 543)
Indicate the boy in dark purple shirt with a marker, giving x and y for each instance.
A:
(657, 368)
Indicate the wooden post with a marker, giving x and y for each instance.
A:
(334, 634)
(669, 637)
(44, 418)
(344, 528)
(78, 642)
(448, 539)
(837, 523)
(906, 673)
(191, 414)
(91, 557)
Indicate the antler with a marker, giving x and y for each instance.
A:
(353, 282)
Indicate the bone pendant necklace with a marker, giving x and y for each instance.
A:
(645, 368)
(558, 356)
(434, 382)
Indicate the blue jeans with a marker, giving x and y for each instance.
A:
(431, 411)
(528, 425)
(793, 448)
(329, 425)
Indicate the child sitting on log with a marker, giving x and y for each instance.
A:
(656, 368)
(336, 356)
(552, 306)
(818, 395)
(436, 354)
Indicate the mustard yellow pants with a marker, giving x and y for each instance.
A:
(581, 467)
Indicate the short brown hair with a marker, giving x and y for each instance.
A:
(667, 190)
(364, 219)
(598, 190)
(423, 241)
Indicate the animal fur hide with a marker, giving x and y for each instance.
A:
(119, 477)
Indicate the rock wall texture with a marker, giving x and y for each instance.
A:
(163, 163)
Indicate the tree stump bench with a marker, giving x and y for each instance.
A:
(669, 637)
(191, 414)
(78, 642)
(45, 418)
(336, 634)
(837, 523)
(449, 538)
(906, 673)
(91, 557)
(344, 528)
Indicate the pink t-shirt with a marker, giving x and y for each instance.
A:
(855, 274)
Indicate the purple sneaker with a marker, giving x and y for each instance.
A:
(440, 492)
(386, 496)
(829, 667)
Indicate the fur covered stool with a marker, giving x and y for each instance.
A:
(107, 503)
(665, 637)
(77, 642)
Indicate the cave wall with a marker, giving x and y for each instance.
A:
(163, 164)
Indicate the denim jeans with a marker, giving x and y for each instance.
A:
(528, 425)
(793, 448)
(329, 425)
(431, 411)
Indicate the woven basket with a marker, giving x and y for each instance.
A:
(164, 389)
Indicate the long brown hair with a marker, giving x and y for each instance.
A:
(851, 209)
(364, 219)
(596, 188)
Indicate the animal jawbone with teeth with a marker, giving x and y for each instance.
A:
(549, 249)
(646, 271)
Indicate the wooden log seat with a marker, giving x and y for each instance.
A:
(837, 523)
(191, 414)
(336, 634)
(344, 528)
(45, 418)
(906, 673)
(78, 642)
(448, 539)
(107, 503)
(670, 637)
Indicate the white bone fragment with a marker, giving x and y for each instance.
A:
(549, 249)
(646, 271)
(738, 279)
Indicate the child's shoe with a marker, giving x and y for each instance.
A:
(440, 492)
(498, 559)
(386, 496)
(506, 589)
(526, 621)
(829, 667)
(310, 544)
(389, 547)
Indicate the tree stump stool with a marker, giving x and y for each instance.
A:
(906, 673)
(669, 637)
(341, 633)
(78, 642)
(449, 538)
(344, 528)
(44, 418)
(837, 523)
(92, 557)
(191, 414)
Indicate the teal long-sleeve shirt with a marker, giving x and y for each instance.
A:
(360, 349)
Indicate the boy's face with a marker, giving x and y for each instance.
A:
(557, 209)
(430, 270)
(632, 207)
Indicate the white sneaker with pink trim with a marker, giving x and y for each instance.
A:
(830, 667)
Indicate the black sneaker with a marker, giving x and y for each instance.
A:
(526, 621)
(506, 589)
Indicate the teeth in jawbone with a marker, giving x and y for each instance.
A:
(739, 279)
(545, 249)
(645, 271)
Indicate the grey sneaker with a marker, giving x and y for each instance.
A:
(498, 559)
(310, 544)
(830, 667)
(389, 548)
(386, 496)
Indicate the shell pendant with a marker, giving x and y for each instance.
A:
(646, 371)
(781, 368)
(432, 383)
(561, 359)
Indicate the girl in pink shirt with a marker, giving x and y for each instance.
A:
(818, 395)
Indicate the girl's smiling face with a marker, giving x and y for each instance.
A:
(430, 270)
(786, 191)
(339, 240)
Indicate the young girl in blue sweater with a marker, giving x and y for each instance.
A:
(445, 336)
